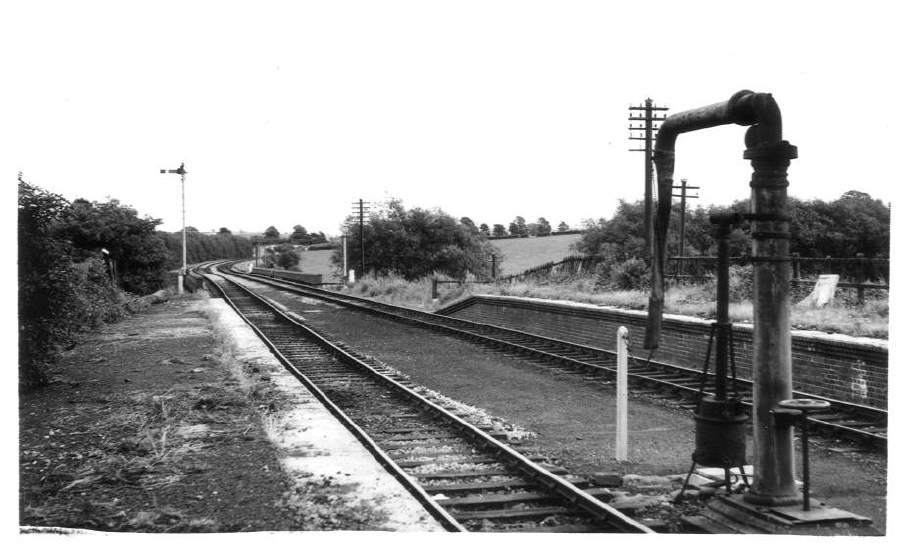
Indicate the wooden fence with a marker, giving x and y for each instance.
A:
(860, 273)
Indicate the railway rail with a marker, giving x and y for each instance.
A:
(849, 421)
(464, 476)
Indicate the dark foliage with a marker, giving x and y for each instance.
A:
(204, 247)
(283, 256)
(132, 242)
(518, 227)
(301, 236)
(854, 223)
(57, 296)
(65, 285)
(416, 243)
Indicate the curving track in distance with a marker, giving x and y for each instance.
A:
(466, 478)
(862, 424)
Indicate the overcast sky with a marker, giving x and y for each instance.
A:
(285, 113)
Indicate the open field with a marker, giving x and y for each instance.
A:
(318, 262)
(520, 254)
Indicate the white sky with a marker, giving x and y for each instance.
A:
(285, 113)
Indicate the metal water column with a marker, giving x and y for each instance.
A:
(773, 482)
(770, 156)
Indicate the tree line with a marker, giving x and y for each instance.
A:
(204, 247)
(66, 254)
(518, 227)
(299, 236)
(416, 242)
(854, 223)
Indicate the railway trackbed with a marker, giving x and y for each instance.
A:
(848, 421)
(464, 476)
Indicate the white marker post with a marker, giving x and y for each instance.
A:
(622, 394)
(344, 254)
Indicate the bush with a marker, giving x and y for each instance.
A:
(416, 243)
(740, 282)
(630, 274)
(58, 296)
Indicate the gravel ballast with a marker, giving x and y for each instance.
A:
(574, 421)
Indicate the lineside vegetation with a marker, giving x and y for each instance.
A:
(83, 263)
(414, 243)
(853, 224)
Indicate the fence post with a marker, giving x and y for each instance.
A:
(434, 290)
(622, 394)
(860, 278)
(795, 263)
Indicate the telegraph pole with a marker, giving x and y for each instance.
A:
(647, 115)
(182, 172)
(361, 210)
(683, 188)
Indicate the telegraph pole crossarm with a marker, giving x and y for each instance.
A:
(647, 116)
(361, 209)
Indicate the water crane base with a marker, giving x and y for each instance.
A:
(731, 514)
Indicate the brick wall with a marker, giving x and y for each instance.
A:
(831, 366)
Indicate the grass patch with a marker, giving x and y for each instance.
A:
(394, 290)
(844, 317)
(148, 444)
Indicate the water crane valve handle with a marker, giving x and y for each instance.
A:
(805, 405)
(790, 411)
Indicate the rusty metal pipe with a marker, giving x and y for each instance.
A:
(770, 156)
(743, 108)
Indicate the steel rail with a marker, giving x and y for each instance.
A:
(875, 416)
(560, 486)
(435, 510)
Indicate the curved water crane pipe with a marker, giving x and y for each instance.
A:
(770, 156)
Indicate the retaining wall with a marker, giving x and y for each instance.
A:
(834, 366)
(289, 275)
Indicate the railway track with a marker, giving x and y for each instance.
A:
(861, 424)
(466, 478)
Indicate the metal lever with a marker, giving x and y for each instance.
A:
(796, 410)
